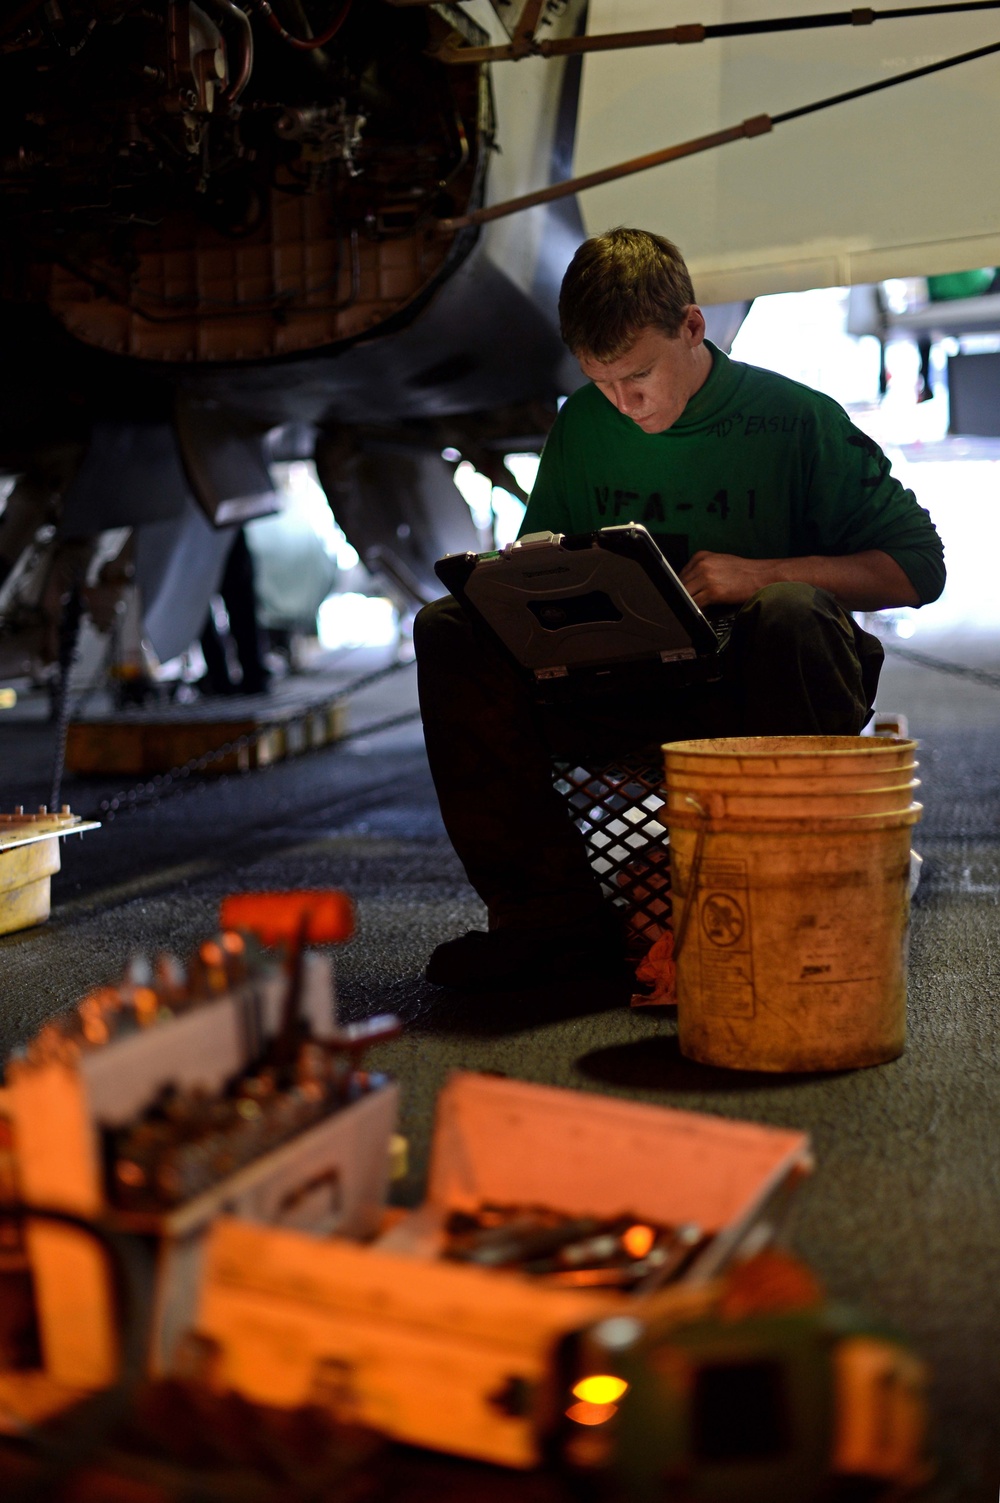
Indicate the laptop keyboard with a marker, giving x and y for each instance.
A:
(722, 626)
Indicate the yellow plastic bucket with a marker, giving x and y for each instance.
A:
(769, 756)
(841, 780)
(723, 803)
(790, 931)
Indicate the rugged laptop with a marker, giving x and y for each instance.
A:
(595, 611)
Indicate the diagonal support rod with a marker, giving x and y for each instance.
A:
(757, 125)
(525, 44)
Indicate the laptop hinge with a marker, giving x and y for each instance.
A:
(541, 673)
(677, 654)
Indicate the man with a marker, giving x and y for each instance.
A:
(767, 500)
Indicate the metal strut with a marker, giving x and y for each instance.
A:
(757, 125)
(525, 44)
(69, 639)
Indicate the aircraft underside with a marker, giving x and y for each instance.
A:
(222, 242)
(334, 229)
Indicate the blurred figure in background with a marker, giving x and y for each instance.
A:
(239, 598)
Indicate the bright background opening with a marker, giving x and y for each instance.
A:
(803, 335)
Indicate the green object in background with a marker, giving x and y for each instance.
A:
(960, 284)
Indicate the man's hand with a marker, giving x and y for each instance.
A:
(725, 579)
(869, 581)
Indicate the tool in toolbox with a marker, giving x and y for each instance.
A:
(621, 1252)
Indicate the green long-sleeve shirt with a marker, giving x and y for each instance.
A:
(757, 466)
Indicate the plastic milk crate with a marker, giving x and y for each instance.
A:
(616, 808)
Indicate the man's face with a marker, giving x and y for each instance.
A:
(657, 376)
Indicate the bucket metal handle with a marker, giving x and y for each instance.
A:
(692, 893)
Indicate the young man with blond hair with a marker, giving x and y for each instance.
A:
(769, 503)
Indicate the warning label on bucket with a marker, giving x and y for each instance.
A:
(723, 918)
(724, 950)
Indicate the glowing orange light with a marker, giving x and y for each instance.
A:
(211, 953)
(599, 1389)
(233, 944)
(591, 1414)
(638, 1240)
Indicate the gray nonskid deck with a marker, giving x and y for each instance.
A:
(902, 1218)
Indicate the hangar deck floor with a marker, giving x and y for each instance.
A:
(902, 1217)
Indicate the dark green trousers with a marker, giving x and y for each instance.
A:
(796, 664)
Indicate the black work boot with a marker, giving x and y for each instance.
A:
(510, 957)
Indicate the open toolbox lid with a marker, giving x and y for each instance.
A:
(509, 1142)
